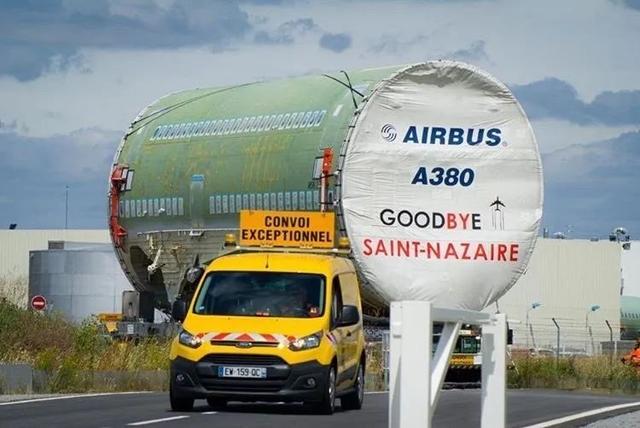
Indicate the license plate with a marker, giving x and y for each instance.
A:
(246, 372)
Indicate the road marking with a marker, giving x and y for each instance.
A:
(208, 413)
(337, 110)
(155, 421)
(573, 417)
(66, 397)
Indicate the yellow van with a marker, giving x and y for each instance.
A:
(271, 326)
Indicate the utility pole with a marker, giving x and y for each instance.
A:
(610, 342)
(66, 207)
(588, 332)
(529, 327)
(557, 342)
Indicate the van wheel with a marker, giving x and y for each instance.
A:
(354, 399)
(217, 403)
(180, 404)
(328, 404)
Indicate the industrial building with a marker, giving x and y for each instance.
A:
(78, 280)
(14, 255)
(577, 283)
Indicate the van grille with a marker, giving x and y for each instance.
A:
(277, 373)
(253, 344)
(243, 385)
(246, 359)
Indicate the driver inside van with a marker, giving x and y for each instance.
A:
(298, 302)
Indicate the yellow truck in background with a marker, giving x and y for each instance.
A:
(268, 323)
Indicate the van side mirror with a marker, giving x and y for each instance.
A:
(350, 316)
(179, 310)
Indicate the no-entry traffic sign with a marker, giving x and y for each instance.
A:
(38, 302)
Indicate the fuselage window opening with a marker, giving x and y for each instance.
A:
(279, 122)
(314, 117)
(320, 117)
(292, 119)
(168, 130)
(222, 129)
(183, 130)
(306, 120)
(156, 132)
(235, 126)
(299, 117)
(195, 132)
(172, 131)
(216, 127)
(189, 131)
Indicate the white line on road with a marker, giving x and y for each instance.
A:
(155, 421)
(208, 413)
(576, 416)
(66, 397)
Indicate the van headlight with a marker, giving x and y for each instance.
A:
(187, 339)
(307, 342)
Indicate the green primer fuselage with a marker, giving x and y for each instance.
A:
(200, 156)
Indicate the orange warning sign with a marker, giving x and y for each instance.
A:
(307, 229)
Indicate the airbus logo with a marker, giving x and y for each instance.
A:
(389, 133)
(446, 136)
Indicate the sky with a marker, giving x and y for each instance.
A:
(74, 73)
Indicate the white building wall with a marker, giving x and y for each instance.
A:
(14, 255)
(631, 270)
(566, 277)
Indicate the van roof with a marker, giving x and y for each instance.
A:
(272, 261)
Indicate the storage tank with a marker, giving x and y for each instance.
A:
(434, 175)
(77, 279)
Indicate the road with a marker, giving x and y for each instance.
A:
(457, 408)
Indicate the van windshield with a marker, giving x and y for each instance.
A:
(262, 294)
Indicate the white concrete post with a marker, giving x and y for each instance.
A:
(494, 373)
(410, 363)
(441, 359)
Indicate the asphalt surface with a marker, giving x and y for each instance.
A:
(457, 408)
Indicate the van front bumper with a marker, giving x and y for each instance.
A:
(284, 382)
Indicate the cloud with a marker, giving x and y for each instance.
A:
(35, 171)
(631, 4)
(36, 37)
(286, 32)
(391, 44)
(474, 53)
(8, 126)
(337, 42)
(555, 98)
(593, 187)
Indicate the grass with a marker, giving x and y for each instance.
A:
(82, 358)
(574, 373)
(75, 358)
(375, 367)
(78, 358)
(13, 288)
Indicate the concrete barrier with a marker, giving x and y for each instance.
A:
(24, 379)
(16, 378)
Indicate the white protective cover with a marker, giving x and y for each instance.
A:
(394, 171)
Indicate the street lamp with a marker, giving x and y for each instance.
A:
(533, 306)
(591, 308)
